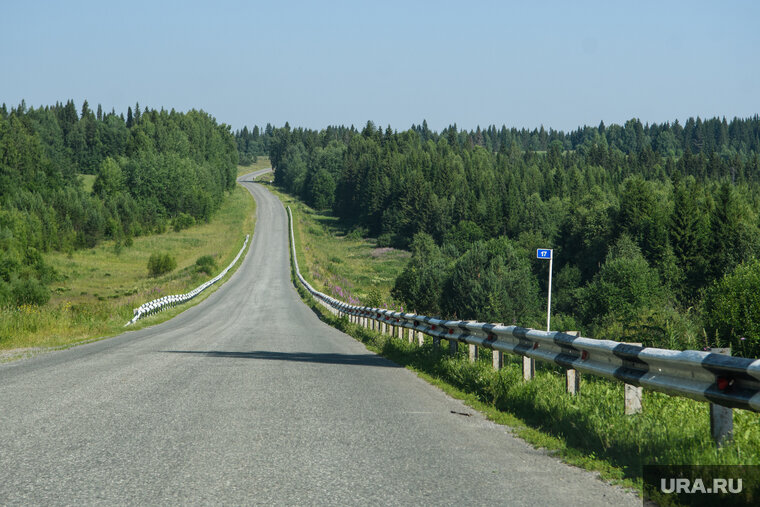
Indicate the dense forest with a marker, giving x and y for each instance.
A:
(654, 227)
(153, 169)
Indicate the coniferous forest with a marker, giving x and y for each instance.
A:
(654, 227)
(152, 170)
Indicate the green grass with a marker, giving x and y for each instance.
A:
(88, 180)
(589, 430)
(265, 178)
(261, 163)
(98, 288)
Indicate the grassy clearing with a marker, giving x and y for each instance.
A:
(589, 430)
(98, 288)
(88, 181)
(261, 163)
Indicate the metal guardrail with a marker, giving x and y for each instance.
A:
(169, 301)
(703, 376)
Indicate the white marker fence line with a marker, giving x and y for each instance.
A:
(169, 301)
(704, 376)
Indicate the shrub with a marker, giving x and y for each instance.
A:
(384, 240)
(30, 292)
(6, 294)
(160, 263)
(205, 264)
(624, 287)
(357, 233)
(731, 311)
(183, 221)
(491, 282)
(373, 298)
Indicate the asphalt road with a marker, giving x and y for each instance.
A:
(247, 398)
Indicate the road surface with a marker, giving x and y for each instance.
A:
(248, 398)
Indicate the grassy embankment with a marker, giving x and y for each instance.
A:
(589, 430)
(98, 288)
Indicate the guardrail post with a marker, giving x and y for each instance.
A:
(472, 350)
(453, 347)
(529, 368)
(721, 418)
(420, 338)
(632, 396)
(497, 355)
(572, 376)
(498, 359)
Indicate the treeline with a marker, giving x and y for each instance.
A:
(154, 169)
(646, 234)
(666, 139)
(253, 143)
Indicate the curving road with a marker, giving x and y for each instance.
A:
(247, 398)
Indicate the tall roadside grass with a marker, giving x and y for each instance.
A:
(97, 289)
(589, 430)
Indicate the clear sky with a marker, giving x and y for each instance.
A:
(560, 64)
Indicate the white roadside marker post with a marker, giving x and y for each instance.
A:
(529, 366)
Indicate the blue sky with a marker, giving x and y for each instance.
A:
(559, 64)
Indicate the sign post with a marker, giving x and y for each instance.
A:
(546, 253)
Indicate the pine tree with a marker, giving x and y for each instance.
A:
(689, 234)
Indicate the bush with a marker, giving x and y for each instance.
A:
(491, 282)
(357, 233)
(6, 294)
(624, 287)
(29, 292)
(373, 299)
(160, 263)
(183, 221)
(205, 264)
(731, 312)
(384, 240)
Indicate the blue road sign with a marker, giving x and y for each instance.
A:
(544, 253)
